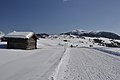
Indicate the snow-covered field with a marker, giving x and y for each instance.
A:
(56, 60)
(88, 64)
(30, 64)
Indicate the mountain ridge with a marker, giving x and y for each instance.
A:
(79, 32)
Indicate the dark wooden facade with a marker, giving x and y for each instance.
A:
(21, 43)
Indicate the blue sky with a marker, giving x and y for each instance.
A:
(56, 16)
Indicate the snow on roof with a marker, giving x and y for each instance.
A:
(19, 35)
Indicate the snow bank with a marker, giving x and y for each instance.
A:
(113, 51)
(59, 68)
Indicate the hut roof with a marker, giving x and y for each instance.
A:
(23, 35)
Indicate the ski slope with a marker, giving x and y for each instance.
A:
(30, 64)
(56, 60)
(88, 64)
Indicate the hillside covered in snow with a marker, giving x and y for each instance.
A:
(63, 57)
(1, 34)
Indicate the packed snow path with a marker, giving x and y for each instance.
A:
(88, 64)
(28, 64)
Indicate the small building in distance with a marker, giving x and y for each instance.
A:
(21, 40)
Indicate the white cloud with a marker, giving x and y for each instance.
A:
(66, 0)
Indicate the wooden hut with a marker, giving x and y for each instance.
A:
(21, 40)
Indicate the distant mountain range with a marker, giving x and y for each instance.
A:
(79, 32)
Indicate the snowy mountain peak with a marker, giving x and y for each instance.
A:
(1, 34)
(80, 31)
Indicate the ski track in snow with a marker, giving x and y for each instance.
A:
(89, 64)
(36, 66)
